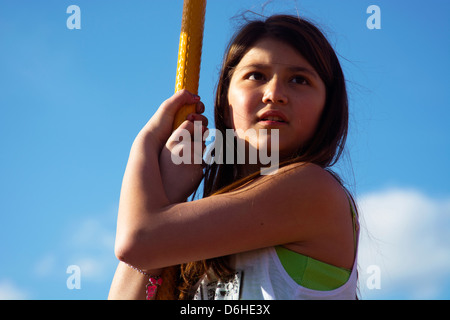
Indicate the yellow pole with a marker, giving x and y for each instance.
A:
(188, 74)
(190, 52)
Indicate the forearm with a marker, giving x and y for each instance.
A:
(142, 194)
(127, 284)
(142, 186)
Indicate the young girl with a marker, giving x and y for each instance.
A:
(289, 235)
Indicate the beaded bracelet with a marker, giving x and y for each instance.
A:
(153, 283)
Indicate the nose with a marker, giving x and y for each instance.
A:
(275, 92)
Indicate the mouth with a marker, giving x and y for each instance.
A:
(273, 117)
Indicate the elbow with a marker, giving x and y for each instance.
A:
(137, 244)
(127, 249)
(123, 248)
(121, 251)
(132, 248)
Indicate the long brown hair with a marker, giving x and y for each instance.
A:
(323, 149)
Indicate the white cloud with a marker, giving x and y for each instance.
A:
(93, 232)
(405, 233)
(91, 247)
(92, 268)
(10, 291)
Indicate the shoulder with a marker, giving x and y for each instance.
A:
(303, 191)
(317, 199)
(305, 178)
(310, 195)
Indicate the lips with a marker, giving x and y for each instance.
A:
(273, 116)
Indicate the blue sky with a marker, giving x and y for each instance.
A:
(72, 101)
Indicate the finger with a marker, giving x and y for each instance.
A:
(189, 135)
(200, 128)
(193, 117)
(187, 131)
(200, 107)
(178, 100)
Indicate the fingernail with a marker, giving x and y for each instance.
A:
(196, 97)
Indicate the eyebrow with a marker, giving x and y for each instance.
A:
(291, 68)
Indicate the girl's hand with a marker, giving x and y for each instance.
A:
(157, 138)
(181, 159)
(159, 127)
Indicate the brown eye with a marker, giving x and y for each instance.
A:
(257, 76)
(299, 80)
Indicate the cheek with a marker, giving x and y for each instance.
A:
(241, 108)
(308, 117)
(316, 113)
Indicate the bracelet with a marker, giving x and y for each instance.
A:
(153, 283)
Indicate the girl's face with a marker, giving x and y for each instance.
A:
(274, 87)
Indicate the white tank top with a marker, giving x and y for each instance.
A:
(261, 276)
